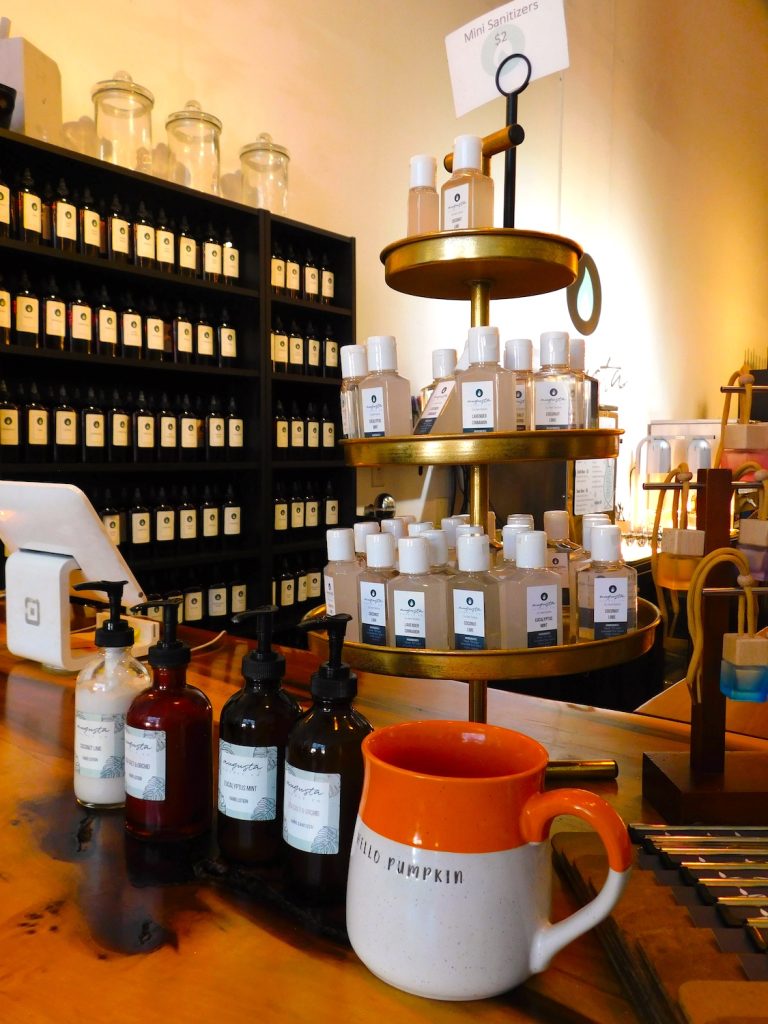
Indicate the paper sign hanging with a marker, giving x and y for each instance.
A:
(535, 28)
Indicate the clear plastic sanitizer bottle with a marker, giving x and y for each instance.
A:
(441, 414)
(354, 369)
(518, 359)
(416, 600)
(534, 608)
(474, 608)
(486, 390)
(467, 196)
(590, 398)
(372, 585)
(340, 576)
(556, 395)
(423, 201)
(385, 396)
(607, 594)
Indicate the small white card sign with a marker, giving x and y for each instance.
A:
(535, 28)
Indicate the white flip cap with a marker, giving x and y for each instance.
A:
(553, 349)
(588, 521)
(518, 354)
(576, 353)
(423, 171)
(381, 350)
(438, 546)
(531, 550)
(362, 530)
(509, 534)
(467, 152)
(448, 525)
(556, 525)
(468, 530)
(413, 554)
(394, 526)
(380, 550)
(354, 361)
(520, 517)
(473, 552)
(483, 344)
(443, 362)
(341, 545)
(415, 529)
(606, 542)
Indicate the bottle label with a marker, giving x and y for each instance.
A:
(66, 427)
(277, 273)
(188, 432)
(281, 434)
(131, 330)
(552, 405)
(312, 514)
(164, 245)
(9, 427)
(217, 601)
(521, 420)
(216, 432)
(82, 322)
(92, 228)
(66, 221)
(37, 426)
(94, 430)
(187, 524)
(311, 809)
(373, 613)
(230, 264)
(281, 515)
(155, 334)
(313, 434)
(314, 584)
(373, 411)
(331, 353)
(297, 515)
(410, 618)
(311, 281)
(327, 284)
(55, 318)
(541, 615)
(112, 526)
(188, 253)
(5, 309)
(235, 432)
(204, 340)
(313, 351)
(238, 598)
(287, 593)
(5, 205)
(296, 351)
(280, 348)
(145, 763)
(27, 314)
(100, 745)
(145, 241)
(211, 258)
(211, 522)
(434, 406)
(193, 606)
(469, 620)
(331, 511)
(456, 207)
(139, 527)
(478, 413)
(120, 236)
(228, 342)
(302, 588)
(611, 604)
(31, 212)
(292, 276)
(121, 436)
(247, 782)
(107, 327)
(145, 431)
(184, 336)
(232, 521)
(165, 526)
(297, 434)
(330, 596)
(329, 435)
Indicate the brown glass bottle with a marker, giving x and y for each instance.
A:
(168, 774)
(37, 428)
(6, 307)
(54, 318)
(187, 256)
(79, 322)
(10, 427)
(254, 728)
(66, 433)
(183, 336)
(143, 238)
(5, 207)
(119, 434)
(89, 226)
(26, 315)
(63, 220)
(93, 430)
(118, 232)
(26, 210)
(105, 318)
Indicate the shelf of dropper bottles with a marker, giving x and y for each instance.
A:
(467, 666)
(510, 263)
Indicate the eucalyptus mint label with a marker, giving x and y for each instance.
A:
(373, 411)
(541, 615)
(311, 806)
(247, 782)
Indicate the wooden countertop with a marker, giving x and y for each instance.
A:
(74, 931)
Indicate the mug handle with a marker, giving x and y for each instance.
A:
(535, 822)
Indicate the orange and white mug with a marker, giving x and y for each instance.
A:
(448, 894)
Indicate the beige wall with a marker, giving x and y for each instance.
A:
(650, 150)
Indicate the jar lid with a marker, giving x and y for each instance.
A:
(264, 144)
(193, 112)
(122, 82)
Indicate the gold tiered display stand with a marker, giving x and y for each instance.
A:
(504, 263)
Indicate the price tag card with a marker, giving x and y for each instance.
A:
(535, 28)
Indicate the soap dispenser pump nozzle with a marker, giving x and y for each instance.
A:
(114, 631)
(262, 664)
(333, 680)
(168, 652)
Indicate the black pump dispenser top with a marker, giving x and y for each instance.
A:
(169, 652)
(263, 664)
(333, 680)
(114, 631)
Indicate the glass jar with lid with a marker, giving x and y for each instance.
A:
(264, 166)
(123, 114)
(193, 141)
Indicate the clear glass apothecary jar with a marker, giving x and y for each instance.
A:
(193, 142)
(264, 167)
(123, 115)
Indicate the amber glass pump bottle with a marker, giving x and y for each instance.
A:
(254, 728)
(324, 777)
(168, 771)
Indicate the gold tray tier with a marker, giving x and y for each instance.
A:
(467, 666)
(511, 263)
(482, 449)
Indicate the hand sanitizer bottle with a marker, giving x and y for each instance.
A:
(354, 369)
(361, 532)
(556, 405)
(589, 386)
(441, 414)
(474, 607)
(340, 575)
(372, 585)
(104, 691)
(423, 202)
(561, 549)
(385, 396)
(486, 391)
(438, 552)
(518, 358)
(467, 196)
(607, 589)
(579, 561)
(535, 609)
(416, 600)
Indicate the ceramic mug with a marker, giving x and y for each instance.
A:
(448, 894)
